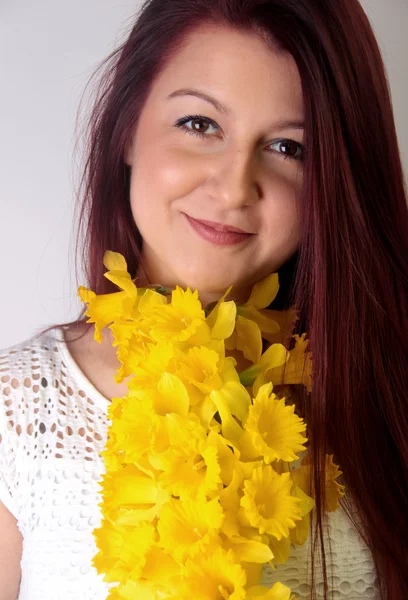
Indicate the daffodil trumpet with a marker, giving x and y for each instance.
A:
(201, 486)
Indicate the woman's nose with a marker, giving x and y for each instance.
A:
(236, 183)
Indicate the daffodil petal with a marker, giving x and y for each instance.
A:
(150, 301)
(102, 309)
(225, 321)
(114, 261)
(174, 396)
(307, 503)
(300, 533)
(280, 548)
(264, 291)
(265, 323)
(277, 592)
(250, 550)
(122, 281)
(231, 430)
(275, 356)
(249, 339)
(237, 399)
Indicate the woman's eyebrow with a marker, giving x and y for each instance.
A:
(192, 92)
(222, 108)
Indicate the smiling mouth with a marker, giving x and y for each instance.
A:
(220, 226)
(223, 237)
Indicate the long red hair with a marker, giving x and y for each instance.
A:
(347, 281)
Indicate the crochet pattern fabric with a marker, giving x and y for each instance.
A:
(53, 427)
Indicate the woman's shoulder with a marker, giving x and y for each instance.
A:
(29, 364)
(30, 379)
(46, 401)
(40, 382)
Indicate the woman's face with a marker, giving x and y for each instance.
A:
(240, 173)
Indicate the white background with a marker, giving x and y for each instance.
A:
(48, 49)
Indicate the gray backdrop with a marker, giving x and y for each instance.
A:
(48, 49)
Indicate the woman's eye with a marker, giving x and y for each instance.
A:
(197, 119)
(287, 148)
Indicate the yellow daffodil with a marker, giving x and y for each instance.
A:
(199, 367)
(270, 429)
(104, 308)
(202, 486)
(214, 574)
(122, 550)
(131, 496)
(191, 471)
(298, 534)
(187, 527)
(334, 490)
(160, 579)
(275, 430)
(251, 322)
(297, 370)
(267, 503)
(163, 571)
(190, 464)
(146, 362)
(128, 343)
(182, 320)
(137, 430)
(202, 403)
(170, 395)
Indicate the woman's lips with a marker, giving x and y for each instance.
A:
(220, 238)
(220, 226)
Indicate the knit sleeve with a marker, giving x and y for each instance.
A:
(8, 491)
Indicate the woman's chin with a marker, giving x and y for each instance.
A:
(211, 292)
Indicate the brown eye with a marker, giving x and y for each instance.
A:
(289, 149)
(198, 121)
(195, 128)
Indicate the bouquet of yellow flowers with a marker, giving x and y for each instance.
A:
(199, 492)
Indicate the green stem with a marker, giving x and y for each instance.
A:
(160, 289)
(248, 376)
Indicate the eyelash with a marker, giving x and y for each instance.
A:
(181, 125)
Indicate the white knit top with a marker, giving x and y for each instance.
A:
(53, 427)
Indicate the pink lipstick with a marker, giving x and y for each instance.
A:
(219, 234)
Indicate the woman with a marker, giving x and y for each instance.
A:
(275, 118)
